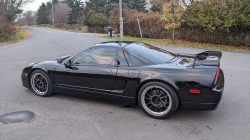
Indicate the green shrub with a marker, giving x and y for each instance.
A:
(237, 14)
(206, 15)
(6, 28)
(91, 18)
(204, 22)
(32, 23)
(224, 23)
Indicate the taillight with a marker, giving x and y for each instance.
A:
(195, 91)
(217, 74)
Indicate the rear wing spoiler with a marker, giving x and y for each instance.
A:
(208, 58)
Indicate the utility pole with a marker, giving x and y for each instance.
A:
(27, 19)
(52, 15)
(121, 19)
(34, 14)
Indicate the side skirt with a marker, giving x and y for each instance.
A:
(112, 98)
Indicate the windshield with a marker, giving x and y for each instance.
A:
(144, 54)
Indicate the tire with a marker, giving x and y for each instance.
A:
(157, 100)
(40, 83)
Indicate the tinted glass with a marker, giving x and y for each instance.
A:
(142, 54)
(96, 55)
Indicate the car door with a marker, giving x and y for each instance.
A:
(92, 72)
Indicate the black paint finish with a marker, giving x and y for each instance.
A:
(120, 82)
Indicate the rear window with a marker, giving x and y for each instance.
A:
(143, 54)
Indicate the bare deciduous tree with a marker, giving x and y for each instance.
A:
(61, 11)
(12, 8)
(26, 18)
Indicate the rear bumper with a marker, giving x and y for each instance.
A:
(199, 106)
(212, 98)
(204, 106)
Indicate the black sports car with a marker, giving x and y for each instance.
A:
(129, 72)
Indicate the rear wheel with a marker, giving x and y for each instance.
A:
(157, 100)
(41, 83)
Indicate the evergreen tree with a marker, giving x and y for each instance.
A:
(97, 5)
(109, 5)
(157, 5)
(92, 18)
(49, 7)
(139, 5)
(75, 15)
(106, 6)
(42, 15)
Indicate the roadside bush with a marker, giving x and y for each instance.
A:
(205, 22)
(6, 28)
(32, 23)
(151, 24)
(77, 27)
(65, 26)
(91, 18)
(237, 15)
(217, 37)
(226, 23)
(205, 15)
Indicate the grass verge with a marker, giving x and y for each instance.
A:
(181, 43)
(51, 27)
(19, 35)
(65, 30)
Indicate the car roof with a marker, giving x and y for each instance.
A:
(120, 44)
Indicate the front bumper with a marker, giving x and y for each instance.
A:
(25, 83)
(25, 79)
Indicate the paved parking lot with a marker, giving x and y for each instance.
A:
(67, 117)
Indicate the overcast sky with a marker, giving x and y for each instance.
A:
(34, 5)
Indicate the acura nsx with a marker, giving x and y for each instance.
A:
(130, 73)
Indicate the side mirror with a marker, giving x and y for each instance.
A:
(60, 60)
(67, 64)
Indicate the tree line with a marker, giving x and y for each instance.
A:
(73, 9)
(207, 21)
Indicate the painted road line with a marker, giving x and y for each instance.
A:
(46, 31)
(49, 32)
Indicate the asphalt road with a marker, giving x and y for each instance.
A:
(67, 117)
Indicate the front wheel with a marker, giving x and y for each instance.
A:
(41, 83)
(157, 100)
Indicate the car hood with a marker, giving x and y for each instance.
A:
(49, 62)
(44, 63)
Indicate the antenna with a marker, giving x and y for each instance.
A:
(138, 21)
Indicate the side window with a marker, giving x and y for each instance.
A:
(135, 60)
(140, 54)
(96, 55)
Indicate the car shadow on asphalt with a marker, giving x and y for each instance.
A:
(179, 114)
